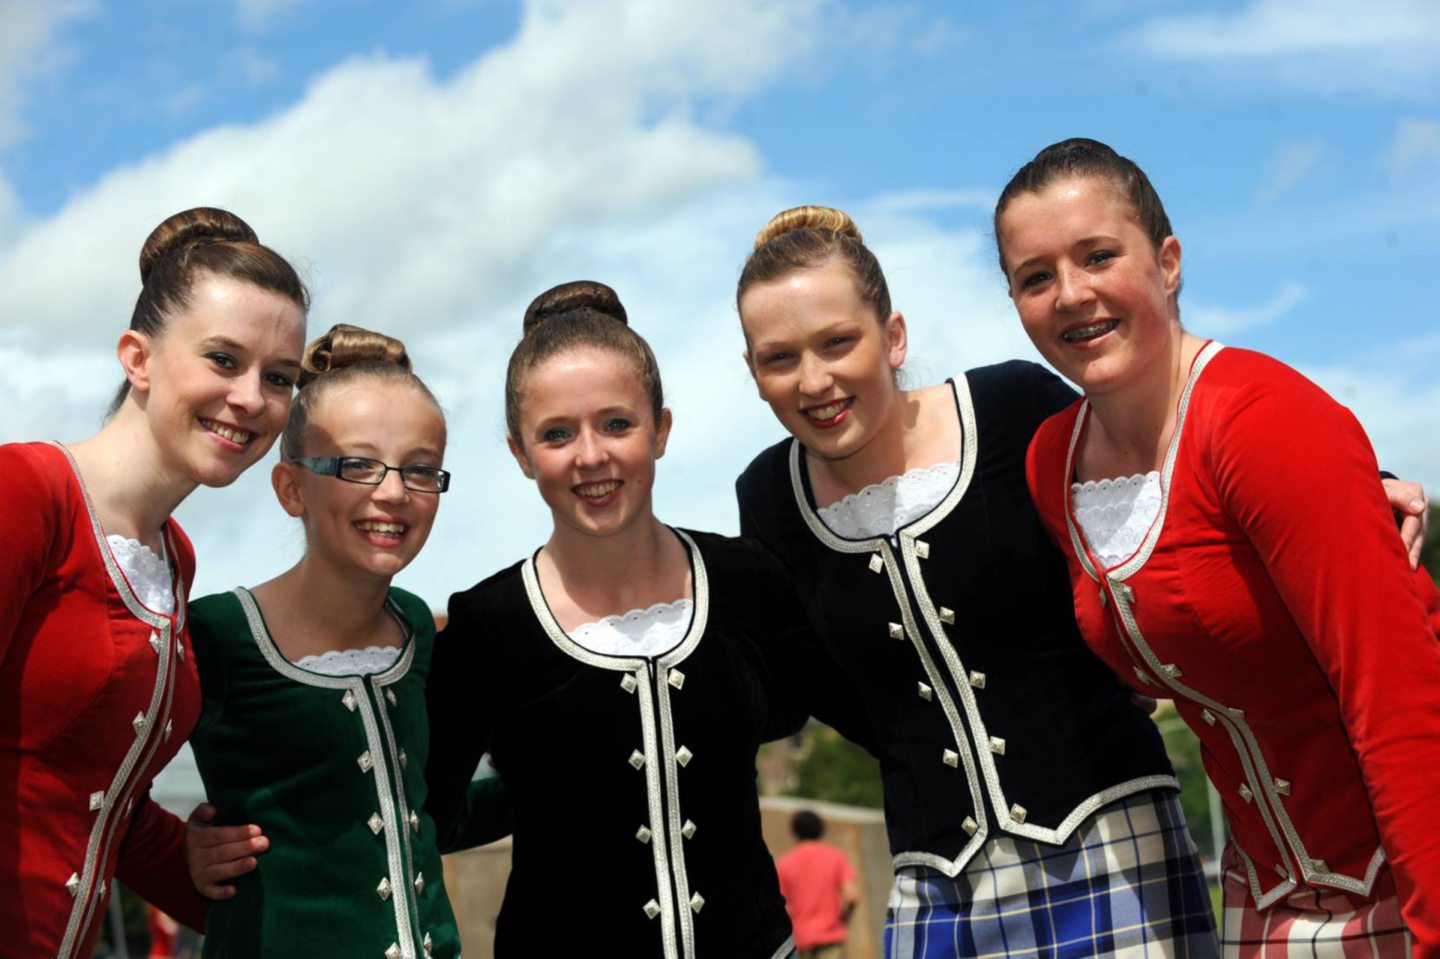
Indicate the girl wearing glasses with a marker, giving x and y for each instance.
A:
(622, 676)
(96, 677)
(313, 724)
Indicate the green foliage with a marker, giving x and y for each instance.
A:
(833, 769)
(1184, 751)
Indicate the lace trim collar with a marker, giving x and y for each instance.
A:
(351, 662)
(882, 508)
(640, 632)
(147, 572)
(1115, 514)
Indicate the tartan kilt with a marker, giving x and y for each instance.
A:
(1128, 882)
(1310, 922)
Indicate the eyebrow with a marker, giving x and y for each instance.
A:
(1094, 239)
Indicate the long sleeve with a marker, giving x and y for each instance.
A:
(152, 862)
(461, 723)
(1297, 473)
(31, 526)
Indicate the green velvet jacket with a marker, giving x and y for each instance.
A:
(332, 769)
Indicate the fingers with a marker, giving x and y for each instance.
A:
(1412, 533)
(218, 854)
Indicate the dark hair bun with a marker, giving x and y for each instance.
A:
(808, 218)
(345, 345)
(575, 297)
(189, 227)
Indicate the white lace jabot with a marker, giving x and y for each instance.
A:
(1115, 514)
(351, 662)
(147, 573)
(881, 508)
(640, 632)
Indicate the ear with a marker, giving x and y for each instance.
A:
(662, 432)
(523, 461)
(897, 339)
(1170, 264)
(135, 350)
(287, 490)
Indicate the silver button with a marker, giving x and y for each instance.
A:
(876, 563)
(179, 649)
(73, 885)
(922, 549)
(1018, 813)
(676, 679)
(926, 693)
(997, 745)
(383, 890)
(1144, 677)
(637, 758)
(414, 821)
(1245, 793)
(652, 909)
(696, 902)
(155, 643)
(1282, 786)
(977, 679)
(138, 723)
(427, 944)
(390, 696)
(404, 760)
(364, 762)
(1172, 670)
(947, 615)
(349, 700)
(393, 952)
(896, 631)
(97, 800)
(1208, 716)
(375, 823)
(169, 728)
(970, 825)
(628, 683)
(643, 834)
(951, 758)
(419, 883)
(688, 830)
(1320, 865)
(683, 756)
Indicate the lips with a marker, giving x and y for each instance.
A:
(1089, 331)
(829, 414)
(233, 434)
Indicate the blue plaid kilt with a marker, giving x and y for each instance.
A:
(1128, 883)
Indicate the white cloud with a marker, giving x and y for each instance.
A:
(1289, 167)
(1416, 144)
(29, 47)
(1322, 45)
(256, 16)
(1223, 321)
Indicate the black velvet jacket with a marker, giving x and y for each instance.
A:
(637, 827)
(990, 714)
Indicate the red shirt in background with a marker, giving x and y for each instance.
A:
(811, 875)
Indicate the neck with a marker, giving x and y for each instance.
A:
(133, 491)
(606, 575)
(1131, 428)
(889, 452)
(339, 603)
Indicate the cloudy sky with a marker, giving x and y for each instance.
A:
(433, 165)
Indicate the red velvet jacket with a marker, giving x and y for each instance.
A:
(1273, 602)
(97, 693)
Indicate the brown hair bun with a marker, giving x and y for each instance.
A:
(808, 218)
(577, 296)
(345, 345)
(188, 227)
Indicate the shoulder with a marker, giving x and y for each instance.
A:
(1242, 388)
(38, 469)
(767, 471)
(728, 551)
(500, 588)
(1017, 394)
(413, 609)
(216, 615)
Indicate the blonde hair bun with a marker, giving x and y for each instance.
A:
(575, 297)
(189, 227)
(824, 218)
(345, 345)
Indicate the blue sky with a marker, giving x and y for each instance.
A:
(433, 165)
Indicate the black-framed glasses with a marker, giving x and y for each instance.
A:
(362, 469)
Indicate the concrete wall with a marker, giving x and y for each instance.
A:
(476, 879)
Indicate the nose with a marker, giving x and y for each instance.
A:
(1072, 288)
(815, 378)
(590, 450)
(392, 489)
(247, 394)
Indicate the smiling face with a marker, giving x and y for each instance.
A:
(589, 440)
(1094, 294)
(216, 384)
(821, 358)
(375, 530)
